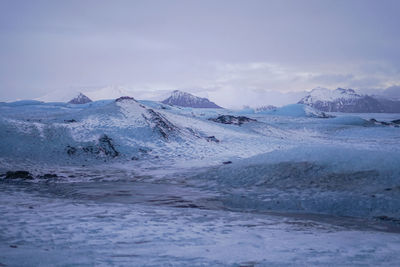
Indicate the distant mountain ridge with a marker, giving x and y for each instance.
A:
(347, 100)
(183, 99)
(80, 99)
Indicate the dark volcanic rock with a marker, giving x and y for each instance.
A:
(212, 139)
(388, 219)
(394, 123)
(107, 147)
(229, 119)
(161, 124)
(48, 176)
(104, 146)
(124, 98)
(183, 99)
(80, 99)
(18, 175)
(71, 150)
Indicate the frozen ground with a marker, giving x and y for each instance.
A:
(125, 223)
(141, 183)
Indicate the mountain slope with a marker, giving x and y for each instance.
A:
(80, 99)
(183, 99)
(65, 95)
(347, 100)
(110, 92)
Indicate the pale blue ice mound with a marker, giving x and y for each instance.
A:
(313, 179)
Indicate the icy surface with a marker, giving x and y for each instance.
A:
(131, 182)
(147, 224)
(296, 110)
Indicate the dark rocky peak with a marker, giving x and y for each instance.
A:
(183, 99)
(80, 99)
(122, 98)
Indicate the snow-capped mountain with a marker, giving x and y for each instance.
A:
(104, 93)
(101, 93)
(109, 92)
(326, 95)
(347, 100)
(80, 99)
(183, 99)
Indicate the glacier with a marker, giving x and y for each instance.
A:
(136, 182)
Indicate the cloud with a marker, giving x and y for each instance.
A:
(263, 76)
(332, 79)
(225, 49)
(392, 92)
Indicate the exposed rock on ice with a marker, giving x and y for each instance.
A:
(183, 99)
(18, 175)
(107, 147)
(212, 139)
(229, 119)
(160, 123)
(122, 98)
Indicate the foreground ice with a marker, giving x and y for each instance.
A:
(126, 223)
(142, 183)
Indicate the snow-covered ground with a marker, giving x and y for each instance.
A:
(143, 183)
(129, 224)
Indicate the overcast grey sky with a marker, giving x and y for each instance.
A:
(225, 49)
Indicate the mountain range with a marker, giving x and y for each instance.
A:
(339, 100)
(347, 100)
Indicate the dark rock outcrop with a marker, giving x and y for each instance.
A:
(19, 175)
(229, 119)
(71, 150)
(48, 176)
(124, 98)
(105, 146)
(212, 139)
(160, 124)
(80, 99)
(395, 123)
(183, 99)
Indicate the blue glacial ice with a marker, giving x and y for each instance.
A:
(143, 183)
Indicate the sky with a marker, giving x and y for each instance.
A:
(245, 52)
